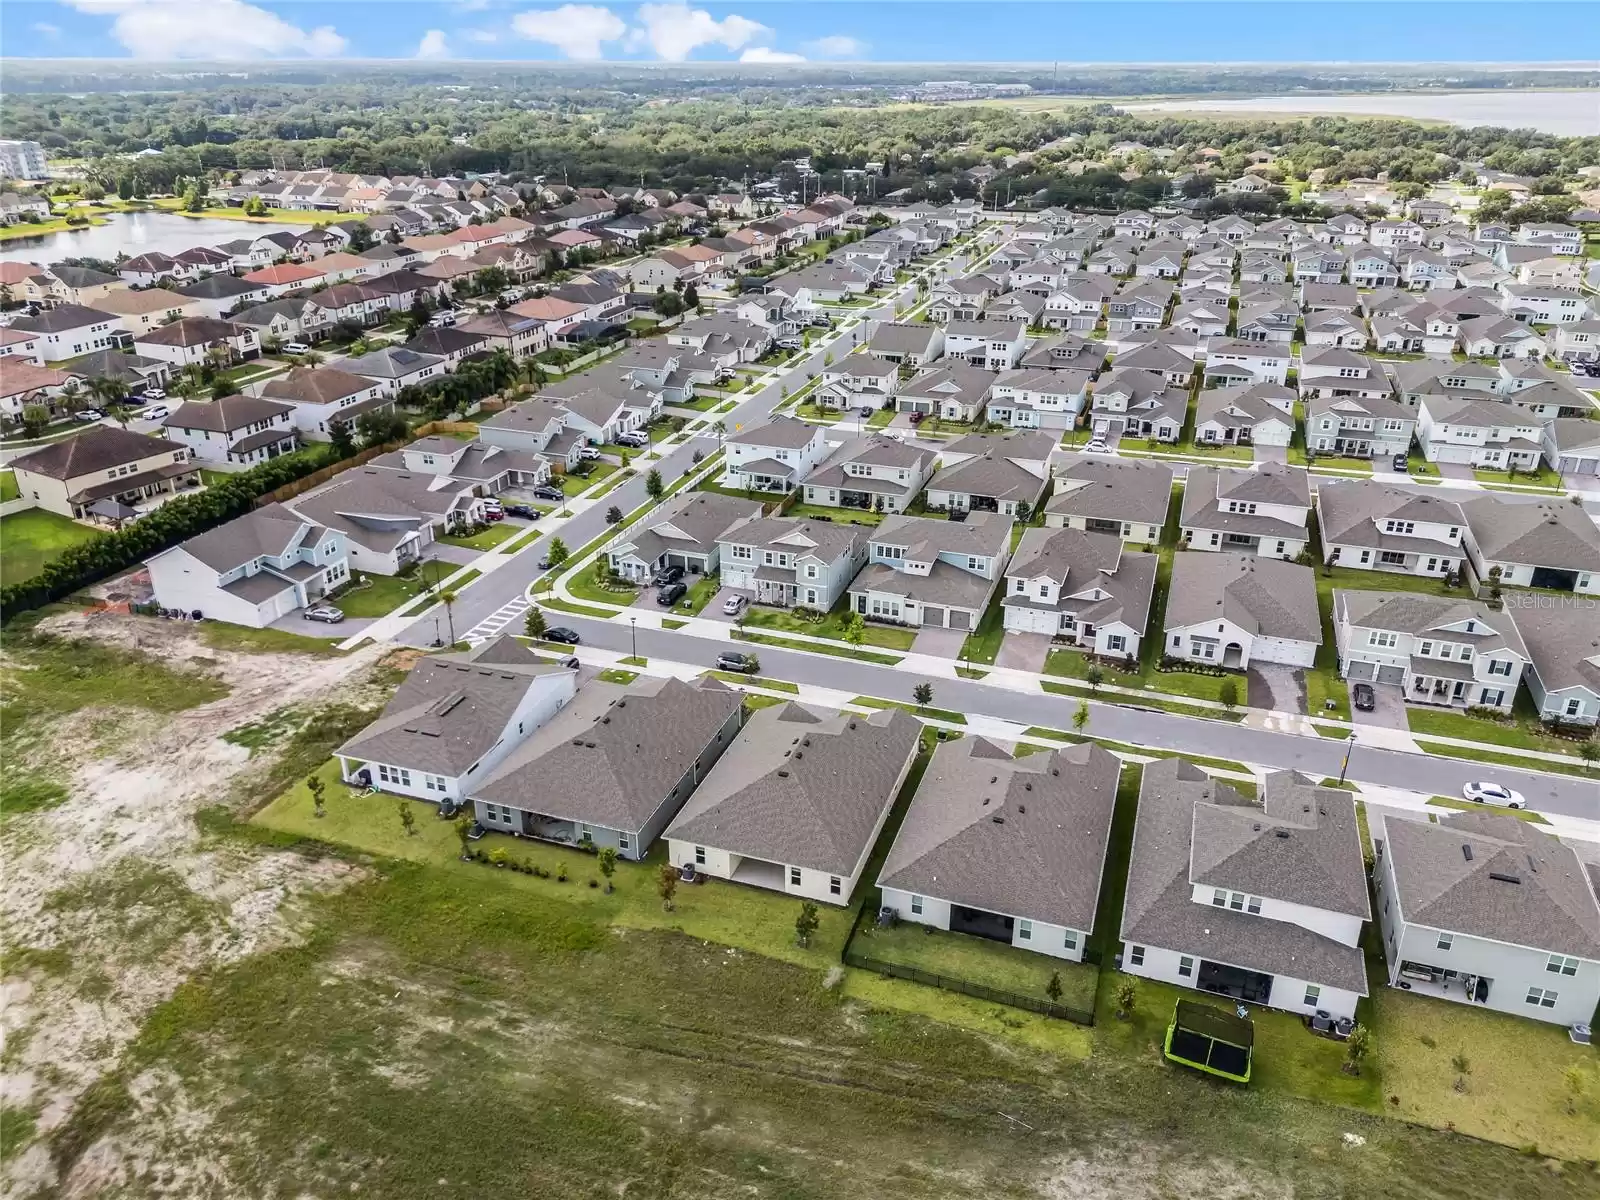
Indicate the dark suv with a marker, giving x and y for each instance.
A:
(669, 594)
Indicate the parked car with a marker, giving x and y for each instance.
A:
(326, 613)
(1400, 463)
(156, 412)
(297, 348)
(526, 511)
(442, 318)
(866, 411)
(1493, 793)
(1366, 698)
(546, 492)
(494, 514)
(88, 414)
(734, 661)
(589, 454)
(670, 593)
(668, 574)
(1097, 445)
(917, 417)
(734, 605)
(634, 438)
(153, 394)
(561, 633)
(571, 663)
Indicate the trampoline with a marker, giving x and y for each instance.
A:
(1210, 1040)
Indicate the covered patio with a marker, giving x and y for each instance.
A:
(1252, 987)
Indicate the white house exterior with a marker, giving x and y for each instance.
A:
(1087, 589)
(923, 571)
(1265, 511)
(1483, 909)
(1564, 664)
(792, 561)
(1372, 526)
(873, 472)
(1231, 362)
(234, 429)
(1479, 433)
(1234, 609)
(1548, 544)
(775, 455)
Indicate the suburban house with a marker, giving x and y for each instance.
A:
(1141, 404)
(1572, 446)
(909, 344)
(1235, 609)
(323, 397)
(792, 561)
(858, 380)
(775, 455)
(234, 429)
(1230, 363)
(1004, 848)
(486, 468)
(104, 471)
(1359, 427)
(1087, 589)
(1481, 433)
(1263, 511)
(1176, 366)
(953, 392)
(1338, 372)
(1439, 650)
(1247, 414)
(394, 367)
(1036, 398)
(252, 570)
(993, 345)
(797, 802)
(1261, 901)
(682, 532)
(69, 330)
(1375, 527)
(639, 748)
(1563, 674)
(1546, 544)
(141, 310)
(389, 518)
(873, 472)
(191, 341)
(1577, 342)
(993, 473)
(24, 383)
(455, 719)
(927, 572)
(1484, 909)
(1128, 497)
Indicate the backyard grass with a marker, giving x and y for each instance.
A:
(837, 651)
(1521, 814)
(842, 516)
(832, 626)
(8, 487)
(977, 960)
(32, 539)
(487, 538)
(916, 710)
(379, 595)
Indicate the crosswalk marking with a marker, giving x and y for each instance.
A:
(495, 622)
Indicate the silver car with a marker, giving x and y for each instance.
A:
(326, 613)
(734, 605)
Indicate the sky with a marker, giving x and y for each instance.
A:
(769, 31)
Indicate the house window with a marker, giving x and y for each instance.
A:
(1025, 931)
(1219, 897)
(1499, 666)
(794, 876)
(1425, 650)
(1560, 965)
(624, 842)
(1446, 940)
(700, 855)
(1069, 940)
(833, 885)
(1236, 901)
(1186, 967)
(1383, 638)
(1541, 997)
(1313, 994)
(916, 905)
(1136, 955)
(1116, 642)
(1252, 904)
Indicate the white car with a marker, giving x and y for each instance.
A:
(156, 412)
(1097, 446)
(589, 454)
(734, 605)
(1493, 793)
(634, 439)
(154, 394)
(297, 348)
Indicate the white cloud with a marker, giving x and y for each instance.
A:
(481, 35)
(45, 29)
(577, 30)
(835, 47)
(674, 31)
(760, 54)
(210, 29)
(433, 45)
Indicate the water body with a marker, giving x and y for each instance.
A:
(1564, 114)
(135, 233)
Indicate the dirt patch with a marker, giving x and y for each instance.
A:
(113, 898)
(1133, 1173)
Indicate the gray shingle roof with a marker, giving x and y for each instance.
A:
(1116, 489)
(694, 521)
(1415, 613)
(1264, 596)
(983, 534)
(1210, 488)
(1547, 534)
(1083, 563)
(1565, 651)
(95, 449)
(1349, 510)
(818, 810)
(788, 433)
(1159, 908)
(226, 414)
(613, 755)
(1551, 907)
(266, 532)
(1025, 837)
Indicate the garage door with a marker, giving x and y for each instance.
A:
(1361, 671)
(960, 618)
(1394, 675)
(1571, 464)
(932, 614)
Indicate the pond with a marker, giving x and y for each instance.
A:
(135, 233)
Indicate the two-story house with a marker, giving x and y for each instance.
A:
(1485, 909)
(684, 532)
(791, 562)
(118, 470)
(69, 330)
(923, 571)
(1480, 433)
(858, 380)
(992, 345)
(874, 473)
(1439, 650)
(775, 455)
(1004, 473)
(1035, 398)
(1126, 497)
(1087, 589)
(1375, 527)
(1359, 427)
(1261, 901)
(252, 570)
(323, 397)
(1231, 363)
(1545, 544)
(1264, 511)
(952, 392)
(234, 429)
(1334, 372)
(191, 341)
(1141, 404)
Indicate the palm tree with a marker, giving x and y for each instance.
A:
(110, 395)
(448, 599)
(720, 428)
(186, 383)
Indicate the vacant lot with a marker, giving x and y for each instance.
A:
(31, 540)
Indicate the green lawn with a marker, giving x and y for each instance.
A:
(485, 539)
(1074, 664)
(617, 675)
(379, 595)
(977, 960)
(1522, 814)
(1543, 477)
(220, 636)
(701, 589)
(1502, 759)
(983, 643)
(8, 487)
(839, 650)
(916, 710)
(32, 539)
(781, 620)
(704, 402)
(880, 418)
(585, 586)
(843, 516)
(1516, 733)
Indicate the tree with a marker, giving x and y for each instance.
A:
(922, 694)
(534, 624)
(344, 446)
(608, 864)
(624, 458)
(1589, 751)
(1094, 677)
(653, 486)
(613, 515)
(1356, 1047)
(361, 238)
(1024, 512)
(1053, 988)
(667, 884)
(558, 552)
(1080, 718)
(1125, 996)
(691, 298)
(668, 304)
(856, 629)
(317, 788)
(1228, 694)
(35, 419)
(1494, 583)
(720, 428)
(448, 599)
(806, 923)
(463, 826)
(379, 427)
(408, 819)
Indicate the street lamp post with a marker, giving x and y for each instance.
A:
(1349, 749)
(633, 623)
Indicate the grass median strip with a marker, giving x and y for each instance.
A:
(1521, 762)
(1160, 703)
(579, 610)
(772, 685)
(782, 643)
(616, 675)
(916, 710)
(1522, 814)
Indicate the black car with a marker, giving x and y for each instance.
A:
(732, 661)
(1400, 463)
(561, 633)
(669, 594)
(525, 511)
(668, 575)
(545, 492)
(1366, 698)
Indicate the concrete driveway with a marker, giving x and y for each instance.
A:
(1390, 712)
(1023, 651)
(294, 622)
(1277, 454)
(1280, 688)
(713, 610)
(939, 642)
(1455, 471)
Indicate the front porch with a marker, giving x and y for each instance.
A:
(1440, 684)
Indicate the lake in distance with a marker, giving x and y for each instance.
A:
(134, 233)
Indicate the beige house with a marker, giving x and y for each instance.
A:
(145, 309)
(107, 466)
